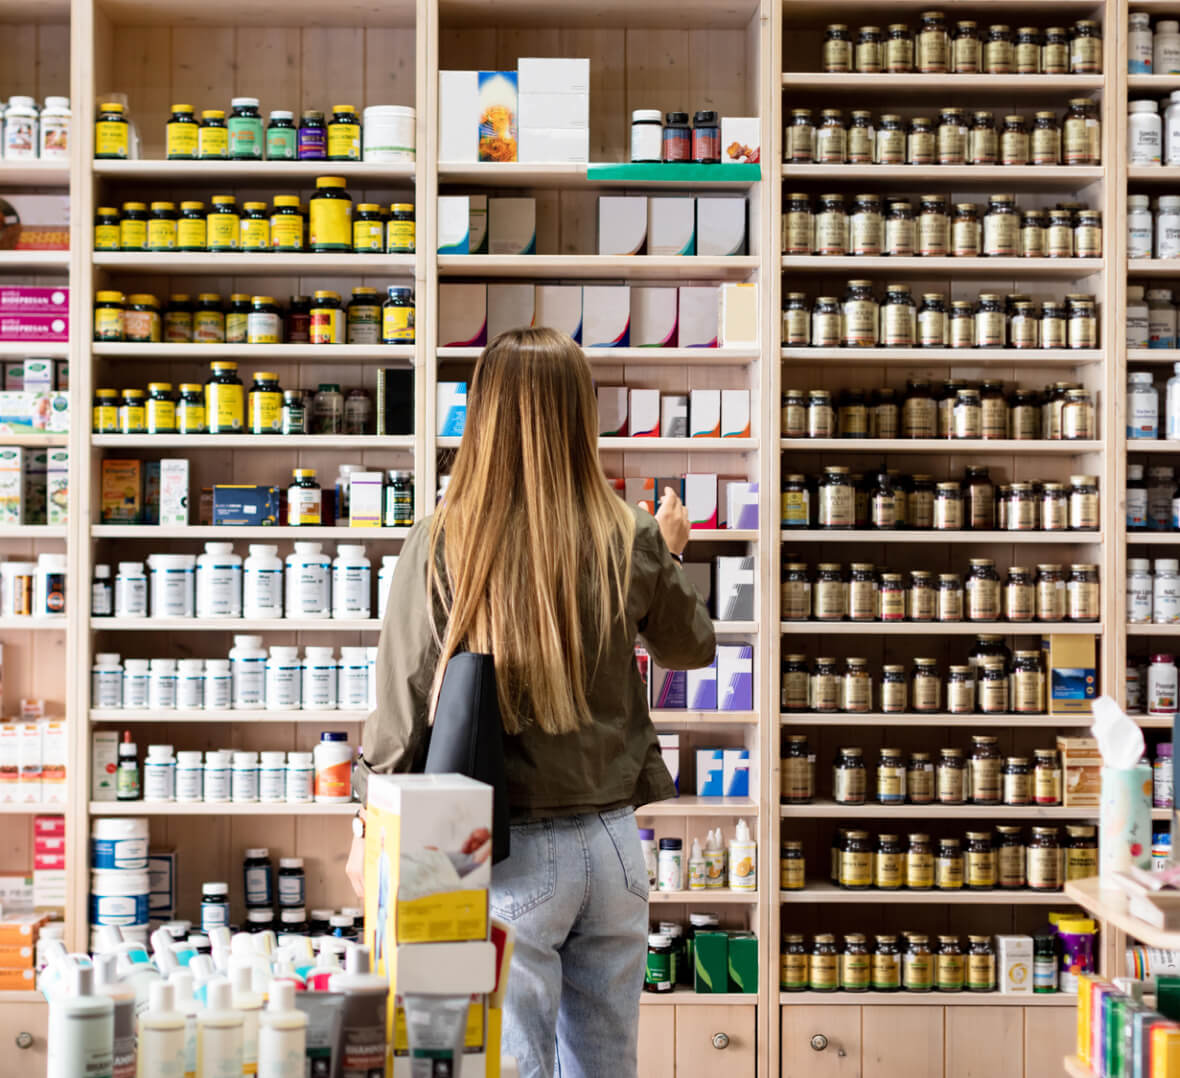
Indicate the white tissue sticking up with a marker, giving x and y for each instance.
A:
(1120, 740)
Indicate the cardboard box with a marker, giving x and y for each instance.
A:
(395, 401)
(1081, 772)
(553, 75)
(477, 224)
(721, 226)
(710, 772)
(653, 317)
(701, 688)
(21, 930)
(670, 754)
(237, 504)
(366, 499)
(700, 499)
(454, 224)
(669, 688)
(61, 374)
(641, 491)
(452, 409)
(29, 748)
(34, 475)
(174, 492)
(497, 115)
(38, 375)
(161, 880)
(57, 486)
(737, 315)
(736, 778)
(17, 980)
(612, 411)
(606, 316)
(427, 859)
(54, 753)
(735, 413)
(458, 116)
(122, 491)
(704, 413)
(16, 956)
(644, 413)
(12, 485)
(741, 508)
(735, 677)
(734, 588)
(548, 146)
(697, 327)
(510, 306)
(14, 376)
(741, 138)
(38, 328)
(462, 315)
(31, 299)
(710, 952)
(51, 412)
(743, 962)
(512, 226)
(555, 112)
(1073, 674)
(671, 226)
(559, 306)
(10, 764)
(104, 762)
(36, 223)
(49, 827)
(674, 416)
(1014, 965)
(622, 225)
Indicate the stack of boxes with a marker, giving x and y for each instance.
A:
(646, 413)
(1121, 1035)
(40, 315)
(49, 865)
(18, 950)
(724, 961)
(672, 225)
(33, 762)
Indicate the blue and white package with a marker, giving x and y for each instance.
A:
(736, 773)
(710, 772)
(701, 688)
(452, 409)
(735, 677)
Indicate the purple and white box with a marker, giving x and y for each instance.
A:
(669, 688)
(40, 328)
(741, 510)
(735, 677)
(701, 686)
(22, 299)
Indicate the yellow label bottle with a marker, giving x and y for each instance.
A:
(111, 130)
(286, 224)
(223, 224)
(106, 229)
(225, 405)
(330, 216)
(180, 134)
(106, 411)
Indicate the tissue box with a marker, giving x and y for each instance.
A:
(622, 225)
(741, 138)
(462, 315)
(1014, 965)
(644, 414)
(721, 226)
(734, 589)
(735, 677)
(510, 306)
(710, 772)
(612, 411)
(701, 688)
(671, 226)
(704, 413)
(653, 317)
(606, 316)
(700, 499)
(497, 115)
(458, 116)
(697, 327)
(669, 688)
(452, 409)
(559, 306)
(1081, 772)
(512, 226)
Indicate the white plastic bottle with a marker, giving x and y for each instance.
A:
(262, 582)
(219, 693)
(743, 859)
(219, 582)
(284, 679)
(1138, 335)
(1161, 318)
(248, 1004)
(136, 683)
(384, 579)
(217, 776)
(190, 777)
(1139, 587)
(1140, 226)
(354, 679)
(309, 582)
(371, 657)
(107, 984)
(81, 1029)
(319, 679)
(1167, 227)
(272, 777)
(244, 777)
(714, 860)
(247, 663)
(159, 774)
(186, 1003)
(365, 993)
(1165, 57)
(1171, 116)
(54, 142)
(131, 590)
(1165, 592)
(190, 684)
(49, 586)
(282, 1034)
(20, 129)
(1145, 133)
(162, 685)
(1143, 406)
(106, 681)
(1172, 399)
(172, 585)
(161, 1035)
(1139, 50)
(219, 1033)
(696, 867)
(352, 583)
(333, 768)
(300, 784)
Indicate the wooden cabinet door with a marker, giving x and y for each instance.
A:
(985, 1042)
(23, 1028)
(820, 1042)
(715, 1040)
(657, 1041)
(1050, 1034)
(902, 1042)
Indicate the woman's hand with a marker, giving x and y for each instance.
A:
(672, 518)
(355, 868)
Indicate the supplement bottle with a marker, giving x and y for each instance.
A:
(219, 582)
(245, 130)
(111, 130)
(159, 774)
(130, 590)
(1142, 406)
(162, 684)
(353, 679)
(244, 777)
(55, 129)
(1144, 133)
(329, 226)
(304, 499)
(352, 583)
(136, 683)
(384, 579)
(247, 661)
(308, 582)
(218, 769)
(1139, 591)
(319, 678)
(272, 777)
(225, 405)
(300, 784)
(333, 768)
(281, 136)
(218, 685)
(284, 679)
(262, 583)
(190, 684)
(106, 681)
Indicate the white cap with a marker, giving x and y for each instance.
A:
(1134, 471)
(1140, 377)
(290, 862)
(282, 996)
(102, 572)
(247, 641)
(1170, 202)
(263, 550)
(1138, 565)
(106, 658)
(1134, 292)
(219, 995)
(219, 548)
(286, 651)
(191, 666)
(309, 548)
(163, 665)
(255, 852)
(245, 759)
(51, 561)
(217, 666)
(247, 101)
(350, 550)
(159, 752)
(21, 101)
(1144, 106)
(356, 959)
(131, 568)
(241, 975)
(299, 759)
(162, 995)
(273, 759)
(1166, 565)
(1164, 26)
(188, 759)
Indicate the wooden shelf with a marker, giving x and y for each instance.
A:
(1145, 538)
(371, 355)
(1135, 629)
(121, 715)
(672, 718)
(823, 808)
(219, 808)
(226, 13)
(908, 536)
(34, 261)
(878, 720)
(1152, 445)
(880, 86)
(967, 177)
(1153, 175)
(701, 806)
(655, 445)
(34, 173)
(1153, 267)
(329, 442)
(32, 531)
(241, 264)
(926, 999)
(941, 357)
(47, 625)
(1110, 905)
(717, 897)
(939, 628)
(231, 533)
(1066, 269)
(594, 175)
(34, 441)
(826, 893)
(234, 625)
(1162, 357)
(1162, 84)
(683, 997)
(974, 446)
(48, 808)
(598, 267)
(659, 14)
(640, 357)
(272, 173)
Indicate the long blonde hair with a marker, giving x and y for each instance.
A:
(536, 546)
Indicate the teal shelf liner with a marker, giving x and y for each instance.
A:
(676, 173)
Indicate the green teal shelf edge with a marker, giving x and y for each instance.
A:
(676, 173)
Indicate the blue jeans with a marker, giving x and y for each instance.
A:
(575, 891)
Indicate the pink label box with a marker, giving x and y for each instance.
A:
(34, 327)
(17, 299)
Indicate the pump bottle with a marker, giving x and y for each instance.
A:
(282, 1034)
(161, 1035)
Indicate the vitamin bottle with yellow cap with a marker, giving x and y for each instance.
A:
(368, 229)
(400, 238)
(141, 319)
(344, 134)
(265, 404)
(106, 228)
(161, 229)
(213, 136)
(326, 318)
(208, 320)
(190, 409)
(286, 224)
(255, 227)
(133, 412)
(330, 216)
(161, 409)
(105, 414)
(225, 405)
(111, 132)
(133, 227)
(108, 315)
(397, 316)
(264, 324)
(192, 231)
(223, 224)
(180, 134)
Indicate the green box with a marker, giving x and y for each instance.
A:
(1167, 997)
(711, 962)
(743, 962)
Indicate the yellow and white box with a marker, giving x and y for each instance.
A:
(1014, 965)
(737, 315)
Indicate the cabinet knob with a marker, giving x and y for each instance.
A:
(720, 1040)
(819, 1042)
(24, 1040)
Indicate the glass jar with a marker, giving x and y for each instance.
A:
(892, 143)
(190, 409)
(920, 779)
(983, 146)
(861, 137)
(993, 689)
(1081, 852)
(823, 971)
(837, 49)
(828, 593)
(795, 690)
(1020, 594)
(961, 325)
(966, 52)
(919, 413)
(921, 142)
(891, 777)
(830, 226)
(950, 597)
(1014, 141)
(1028, 683)
(1059, 235)
(852, 414)
(799, 138)
(949, 865)
(882, 502)
(985, 765)
(835, 498)
(933, 226)
(983, 590)
(825, 686)
(826, 328)
(886, 970)
(1026, 53)
(848, 778)
(857, 689)
(1082, 594)
(855, 964)
(899, 49)
(932, 321)
(1043, 868)
(965, 230)
(1009, 857)
(1017, 781)
(796, 592)
(1051, 592)
(1032, 234)
(1083, 503)
(925, 686)
(922, 600)
(1001, 227)
(949, 968)
(798, 228)
(1047, 777)
(892, 692)
(792, 866)
(951, 142)
(831, 138)
(1082, 133)
(1055, 54)
(960, 690)
(898, 319)
(798, 781)
(951, 777)
(1053, 325)
(997, 50)
(794, 973)
(990, 322)
(884, 414)
(931, 47)
(917, 964)
(919, 863)
(862, 592)
(981, 965)
(980, 872)
(921, 502)
(869, 55)
(796, 321)
(860, 315)
(967, 415)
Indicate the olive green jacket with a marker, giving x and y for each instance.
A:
(613, 760)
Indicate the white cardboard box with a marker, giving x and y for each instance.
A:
(10, 762)
(454, 224)
(559, 306)
(54, 753)
(735, 677)
(735, 413)
(702, 688)
(741, 504)
(700, 499)
(622, 224)
(552, 146)
(721, 226)
(174, 492)
(29, 747)
(644, 414)
(458, 116)
(653, 317)
(612, 411)
(704, 413)
(462, 315)
(673, 416)
(104, 759)
(366, 492)
(606, 315)
(552, 75)
(698, 316)
(556, 112)
(670, 751)
(733, 589)
(510, 306)
(737, 314)
(671, 226)
(512, 226)
(710, 772)
(1014, 965)
(477, 225)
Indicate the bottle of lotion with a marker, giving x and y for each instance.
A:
(219, 1033)
(282, 1034)
(714, 860)
(248, 1004)
(743, 860)
(186, 1003)
(362, 1027)
(108, 984)
(81, 1029)
(161, 1035)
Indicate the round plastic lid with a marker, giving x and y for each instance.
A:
(257, 852)
(646, 116)
(215, 888)
(337, 735)
(290, 862)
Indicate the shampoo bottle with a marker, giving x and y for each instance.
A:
(161, 1035)
(282, 1034)
(362, 1027)
(743, 860)
(108, 984)
(248, 1004)
(186, 1004)
(81, 1030)
(219, 1033)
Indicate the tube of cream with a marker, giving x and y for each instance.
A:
(436, 1026)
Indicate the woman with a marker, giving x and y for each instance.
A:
(533, 558)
